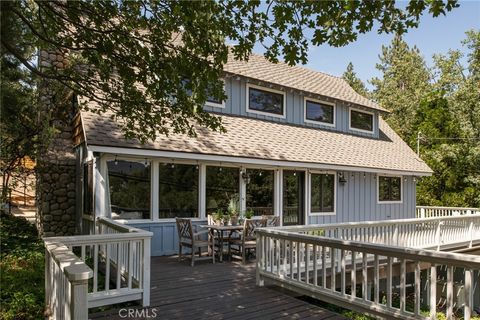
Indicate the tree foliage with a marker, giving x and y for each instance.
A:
(443, 104)
(19, 125)
(139, 72)
(354, 81)
(405, 82)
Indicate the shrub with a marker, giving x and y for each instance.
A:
(22, 268)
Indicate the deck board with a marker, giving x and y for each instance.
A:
(217, 291)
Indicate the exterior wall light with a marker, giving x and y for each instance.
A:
(342, 179)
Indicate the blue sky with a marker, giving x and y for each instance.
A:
(434, 35)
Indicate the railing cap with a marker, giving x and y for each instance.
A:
(73, 267)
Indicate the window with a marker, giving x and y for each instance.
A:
(263, 100)
(210, 101)
(129, 185)
(322, 193)
(389, 189)
(222, 186)
(318, 111)
(214, 102)
(260, 191)
(361, 120)
(178, 191)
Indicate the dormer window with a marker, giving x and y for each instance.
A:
(361, 120)
(214, 102)
(319, 112)
(265, 101)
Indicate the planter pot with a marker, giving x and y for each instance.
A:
(234, 221)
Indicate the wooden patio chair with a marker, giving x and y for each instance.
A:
(272, 221)
(190, 239)
(247, 241)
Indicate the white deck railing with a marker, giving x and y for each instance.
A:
(116, 260)
(370, 268)
(430, 212)
(429, 233)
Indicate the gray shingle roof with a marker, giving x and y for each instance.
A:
(253, 138)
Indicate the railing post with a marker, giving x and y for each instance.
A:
(467, 310)
(433, 292)
(437, 235)
(259, 253)
(78, 298)
(146, 272)
(422, 213)
(471, 234)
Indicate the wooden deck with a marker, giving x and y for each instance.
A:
(217, 291)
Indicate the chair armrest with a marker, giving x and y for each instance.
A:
(199, 233)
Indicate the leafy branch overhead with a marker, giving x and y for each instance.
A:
(123, 61)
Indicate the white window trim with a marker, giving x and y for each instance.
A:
(284, 107)
(305, 99)
(217, 105)
(378, 189)
(362, 111)
(309, 192)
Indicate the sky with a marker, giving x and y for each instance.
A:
(434, 35)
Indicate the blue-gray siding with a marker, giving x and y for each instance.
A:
(236, 105)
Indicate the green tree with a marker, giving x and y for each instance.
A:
(139, 72)
(355, 82)
(18, 112)
(405, 82)
(454, 154)
(456, 163)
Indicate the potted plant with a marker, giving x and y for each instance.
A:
(249, 214)
(218, 217)
(233, 211)
(226, 218)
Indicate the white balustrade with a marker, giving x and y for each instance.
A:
(433, 212)
(118, 258)
(369, 274)
(431, 233)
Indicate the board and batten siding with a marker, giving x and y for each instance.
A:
(236, 104)
(357, 200)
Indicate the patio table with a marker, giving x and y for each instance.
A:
(220, 231)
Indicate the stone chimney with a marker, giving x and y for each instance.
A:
(56, 196)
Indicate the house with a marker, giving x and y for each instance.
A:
(299, 144)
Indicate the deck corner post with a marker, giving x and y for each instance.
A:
(79, 305)
(146, 272)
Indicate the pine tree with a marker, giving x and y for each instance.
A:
(405, 81)
(355, 82)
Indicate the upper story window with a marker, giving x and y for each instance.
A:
(321, 112)
(214, 102)
(361, 120)
(210, 101)
(389, 189)
(265, 101)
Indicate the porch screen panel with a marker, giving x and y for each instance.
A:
(260, 191)
(178, 191)
(129, 184)
(222, 187)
